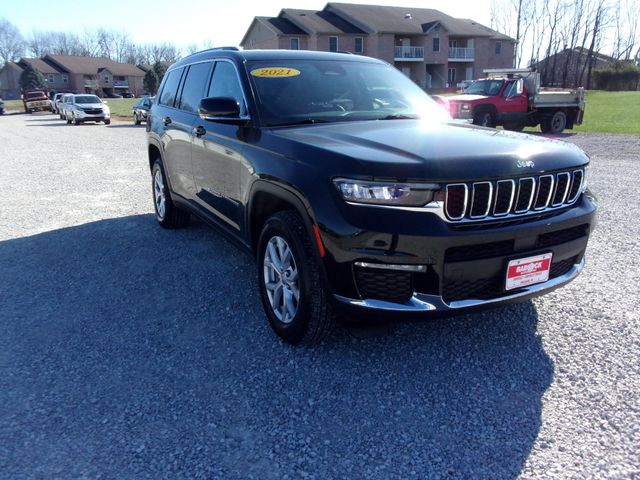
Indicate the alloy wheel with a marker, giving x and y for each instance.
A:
(281, 279)
(158, 190)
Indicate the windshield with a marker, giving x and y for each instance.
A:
(318, 91)
(87, 99)
(485, 87)
(35, 94)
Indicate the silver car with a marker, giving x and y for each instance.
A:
(63, 102)
(86, 108)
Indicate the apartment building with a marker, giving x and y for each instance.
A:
(432, 48)
(71, 73)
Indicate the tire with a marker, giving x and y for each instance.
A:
(558, 122)
(136, 120)
(68, 121)
(29, 111)
(309, 319)
(484, 118)
(167, 213)
(107, 122)
(76, 122)
(62, 117)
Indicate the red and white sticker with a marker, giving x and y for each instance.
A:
(528, 271)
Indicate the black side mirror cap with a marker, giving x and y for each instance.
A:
(219, 108)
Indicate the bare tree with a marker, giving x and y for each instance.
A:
(12, 45)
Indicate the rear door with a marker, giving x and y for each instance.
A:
(174, 130)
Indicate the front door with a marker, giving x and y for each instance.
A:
(217, 153)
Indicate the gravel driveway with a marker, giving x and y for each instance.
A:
(128, 351)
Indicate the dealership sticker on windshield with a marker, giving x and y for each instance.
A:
(528, 271)
(275, 72)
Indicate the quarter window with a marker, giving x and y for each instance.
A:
(225, 83)
(333, 44)
(170, 89)
(194, 85)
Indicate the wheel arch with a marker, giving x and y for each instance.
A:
(266, 199)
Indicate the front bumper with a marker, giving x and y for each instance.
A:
(86, 116)
(464, 268)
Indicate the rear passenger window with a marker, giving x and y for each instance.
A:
(170, 89)
(194, 85)
(225, 83)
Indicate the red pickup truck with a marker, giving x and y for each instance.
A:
(513, 98)
(34, 100)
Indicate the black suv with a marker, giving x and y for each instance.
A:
(357, 194)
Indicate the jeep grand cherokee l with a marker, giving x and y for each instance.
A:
(355, 192)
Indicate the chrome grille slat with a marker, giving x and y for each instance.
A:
(500, 198)
(478, 201)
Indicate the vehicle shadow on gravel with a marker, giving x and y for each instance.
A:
(128, 351)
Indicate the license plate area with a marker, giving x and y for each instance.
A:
(522, 272)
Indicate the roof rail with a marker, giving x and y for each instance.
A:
(235, 49)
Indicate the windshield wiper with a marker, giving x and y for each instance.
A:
(305, 121)
(400, 116)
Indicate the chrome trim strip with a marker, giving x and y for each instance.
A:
(425, 303)
(513, 194)
(546, 204)
(573, 179)
(533, 192)
(473, 199)
(566, 189)
(466, 199)
(390, 266)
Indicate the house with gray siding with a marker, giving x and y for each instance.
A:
(432, 48)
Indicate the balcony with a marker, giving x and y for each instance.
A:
(408, 54)
(462, 54)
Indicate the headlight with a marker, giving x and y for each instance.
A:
(386, 193)
(465, 107)
(105, 109)
(587, 178)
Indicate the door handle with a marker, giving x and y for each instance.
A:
(199, 131)
(166, 120)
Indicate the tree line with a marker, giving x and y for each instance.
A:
(114, 44)
(545, 28)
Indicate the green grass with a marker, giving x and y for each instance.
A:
(611, 112)
(121, 107)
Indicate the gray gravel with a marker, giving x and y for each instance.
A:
(128, 351)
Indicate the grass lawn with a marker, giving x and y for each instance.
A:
(611, 112)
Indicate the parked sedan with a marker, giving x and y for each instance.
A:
(87, 108)
(141, 109)
(63, 104)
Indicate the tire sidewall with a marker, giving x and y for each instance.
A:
(294, 331)
(564, 122)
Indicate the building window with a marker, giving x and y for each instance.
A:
(359, 45)
(436, 44)
(294, 44)
(106, 79)
(453, 43)
(65, 78)
(451, 76)
(333, 44)
(50, 78)
(498, 48)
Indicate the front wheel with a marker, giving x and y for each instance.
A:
(289, 279)
(168, 214)
(136, 120)
(107, 122)
(484, 119)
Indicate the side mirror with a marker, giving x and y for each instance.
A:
(220, 109)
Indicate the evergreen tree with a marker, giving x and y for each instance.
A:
(160, 70)
(150, 82)
(32, 79)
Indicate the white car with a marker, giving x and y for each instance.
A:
(86, 108)
(63, 102)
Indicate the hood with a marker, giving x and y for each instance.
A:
(91, 105)
(418, 150)
(466, 98)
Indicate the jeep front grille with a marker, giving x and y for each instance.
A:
(519, 196)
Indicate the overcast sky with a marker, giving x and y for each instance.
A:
(222, 22)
